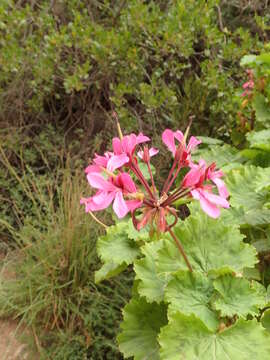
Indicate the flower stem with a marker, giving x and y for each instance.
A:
(152, 179)
(140, 176)
(181, 249)
(164, 190)
(173, 179)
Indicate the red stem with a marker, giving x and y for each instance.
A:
(180, 248)
(142, 179)
(174, 177)
(152, 179)
(164, 190)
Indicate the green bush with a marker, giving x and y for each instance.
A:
(156, 64)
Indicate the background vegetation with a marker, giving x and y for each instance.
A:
(64, 67)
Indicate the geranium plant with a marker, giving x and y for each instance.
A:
(190, 298)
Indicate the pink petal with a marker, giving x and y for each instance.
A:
(153, 152)
(92, 168)
(193, 143)
(223, 192)
(179, 135)
(97, 181)
(168, 139)
(101, 201)
(140, 154)
(215, 199)
(116, 161)
(209, 208)
(133, 204)
(128, 183)
(101, 160)
(142, 138)
(119, 205)
(129, 143)
(193, 177)
(117, 146)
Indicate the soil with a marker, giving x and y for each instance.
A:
(12, 347)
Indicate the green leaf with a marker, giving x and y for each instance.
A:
(259, 139)
(190, 293)
(262, 180)
(248, 59)
(224, 156)
(134, 234)
(116, 247)
(187, 338)
(210, 245)
(262, 109)
(237, 296)
(140, 328)
(242, 183)
(245, 218)
(151, 286)
(210, 141)
(109, 270)
(265, 320)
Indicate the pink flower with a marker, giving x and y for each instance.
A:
(124, 149)
(195, 180)
(248, 85)
(106, 162)
(215, 177)
(110, 190)
(145, 154)
(169, 136)
(209, 202)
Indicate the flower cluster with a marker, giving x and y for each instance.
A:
(118, 178)
(248, 85)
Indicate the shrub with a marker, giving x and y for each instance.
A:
(71, 62)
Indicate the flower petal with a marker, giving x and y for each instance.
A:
(222, 189)
(128, 183)
(168, 139)
(117, 146)
(179, 135)
(153, 152)
(209, 208)
(97, 181)
(129, 143)
(193, 177)
(133, 204)
(119, 205)
(92, 168)
(142, 138)
(193, 143)
(116, 161)
(215, 199)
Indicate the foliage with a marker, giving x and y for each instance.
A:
(72, 61)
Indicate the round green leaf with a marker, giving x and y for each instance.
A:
(187, 338)
(265, 320)
(242, 185)
(151, 285)
(210, 246)
(140, 328)
(237, 296)
(190, 293)
(116, 246)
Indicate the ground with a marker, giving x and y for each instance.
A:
(12, 347)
